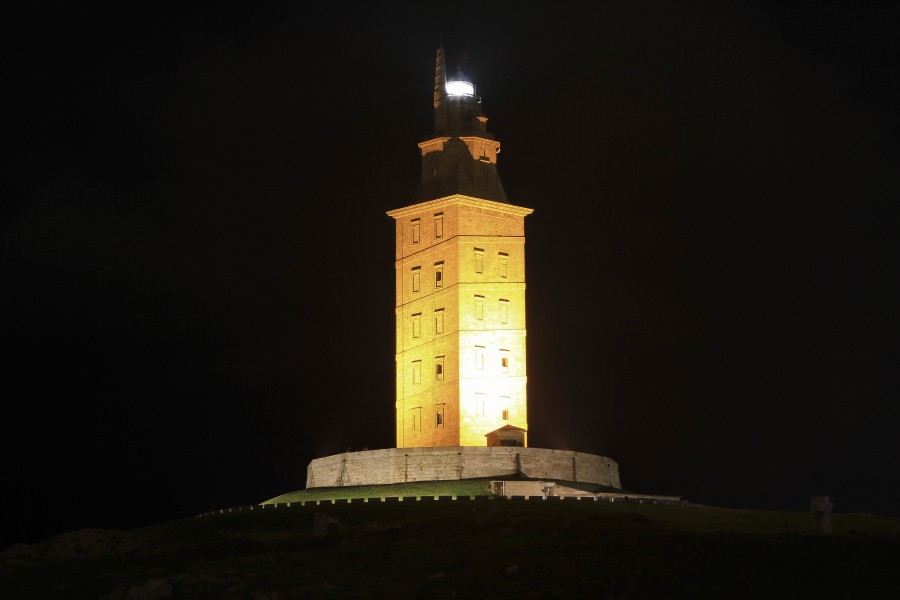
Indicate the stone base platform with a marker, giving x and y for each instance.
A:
(399, 465)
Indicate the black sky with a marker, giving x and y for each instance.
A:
(192, 231)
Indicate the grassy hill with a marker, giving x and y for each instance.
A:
(462, 487)
(451, 488)
(467, 549)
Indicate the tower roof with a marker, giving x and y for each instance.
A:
(506, 428)
(460, 157)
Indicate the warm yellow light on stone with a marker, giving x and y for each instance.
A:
(472, 358)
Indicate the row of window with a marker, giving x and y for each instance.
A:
(502, 262)
(481, 406)
(439, 365)
(503, 304)
(416, 318)
(416, 225)
(438, 370)
(502, 269)
(480, 410)
(479, 359)
(416, 420)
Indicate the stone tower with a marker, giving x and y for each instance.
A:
(460, 314)
(460, 287)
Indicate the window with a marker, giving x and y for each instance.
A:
(479, 307)
(479, 405)
(415, 231)
(439, 416)
(479, 260)
(417, 372)
(504, 311)
(439, 225)
(504, 403)
(504, 264)
(439, 321)
(439, 274)
(479, 357)
(417, 325)
(416, 419)
(504, 361)
(438, 368)
(415, 278)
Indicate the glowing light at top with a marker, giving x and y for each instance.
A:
(460, 88)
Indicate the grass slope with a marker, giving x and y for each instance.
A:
(462, 487)
(453, 488)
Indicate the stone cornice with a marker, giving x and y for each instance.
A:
(502, 207)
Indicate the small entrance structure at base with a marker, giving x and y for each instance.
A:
(508, 435)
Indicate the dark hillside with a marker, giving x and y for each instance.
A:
(467, 549)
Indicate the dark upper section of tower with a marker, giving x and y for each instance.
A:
(461, 156)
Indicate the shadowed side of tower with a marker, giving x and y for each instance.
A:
(461, 156)
(460, 287)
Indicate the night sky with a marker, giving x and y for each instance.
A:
(196, 268)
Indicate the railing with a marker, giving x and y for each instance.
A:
(671, 500)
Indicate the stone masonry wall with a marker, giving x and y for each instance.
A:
(398, 465)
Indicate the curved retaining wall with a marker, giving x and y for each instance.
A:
(399, 465)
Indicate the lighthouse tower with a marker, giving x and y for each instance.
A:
(461, 405)
(460, 287)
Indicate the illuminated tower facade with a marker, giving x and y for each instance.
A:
(460, 287)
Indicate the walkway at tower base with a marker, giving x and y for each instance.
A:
(399, 465)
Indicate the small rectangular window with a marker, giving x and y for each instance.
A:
(504, 411)
(417, 325)
(417, 372)
(415, 278)
(439, 225)
(479, 307)
(416, 419)
(479, 405)
(439, 321)
(439, 274)
(504, 264)
(504, 311)
(479, 357)
(479, 260)
(504, 361)
(439, 368)
(415, 231)
(439, 416)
